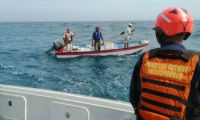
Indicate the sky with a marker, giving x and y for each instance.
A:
(90, 10)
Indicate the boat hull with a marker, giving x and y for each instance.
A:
(19, 103)
(121, 51)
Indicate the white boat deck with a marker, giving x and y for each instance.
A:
(106, 46)
(19, 103)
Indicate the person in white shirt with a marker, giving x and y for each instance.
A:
(127, 35)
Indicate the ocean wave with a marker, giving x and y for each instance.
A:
(2, 66)
(196, 34)
(27, 78)
(6, 53)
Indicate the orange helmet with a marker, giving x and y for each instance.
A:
(173, 21)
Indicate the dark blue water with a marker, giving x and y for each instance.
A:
(23, 63)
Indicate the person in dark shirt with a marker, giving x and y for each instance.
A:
(96, 39)
(165, 82)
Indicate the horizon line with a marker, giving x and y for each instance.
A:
(88, 21)
(77, 21)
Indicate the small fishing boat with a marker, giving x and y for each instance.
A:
(107, 49)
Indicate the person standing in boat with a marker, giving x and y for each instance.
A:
(127, 34)
(96, 39)
(165, 82)
(68, 38)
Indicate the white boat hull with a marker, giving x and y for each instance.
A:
(18, 103)
(122, 51)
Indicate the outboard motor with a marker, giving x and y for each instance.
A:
(58, 45)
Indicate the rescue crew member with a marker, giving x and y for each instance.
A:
(127, 34)
(96, 39)
(165, 83)
(68, 38)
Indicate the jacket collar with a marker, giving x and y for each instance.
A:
(172, 46)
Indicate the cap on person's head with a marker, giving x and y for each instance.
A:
(173, 21)
(130, 24)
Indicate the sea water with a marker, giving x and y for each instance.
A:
(23, 63)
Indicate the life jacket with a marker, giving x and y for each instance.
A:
(165, 84)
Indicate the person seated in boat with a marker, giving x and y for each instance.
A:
(127, 34)
(96, 39)
(165, 82)
(68, 38)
